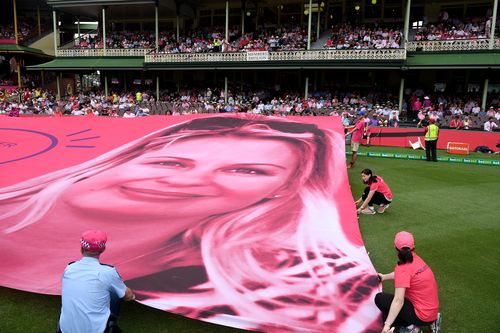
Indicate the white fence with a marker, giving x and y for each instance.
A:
(102, 52)
(451, 45)
(384, 54)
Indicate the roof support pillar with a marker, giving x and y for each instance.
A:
(54, 26)
(306, 89)
(157, 88)
(15, 21)
(104, 30)
(493, 19)
(106, 86)
(38, 20)
(58, 84)
(485, 94)
(309, 23)
(156, 26)
(407, 22)
(243, 9)
(225, 89)
(401, 92)
(227, 22)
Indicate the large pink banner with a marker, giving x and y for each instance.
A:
(241, 221)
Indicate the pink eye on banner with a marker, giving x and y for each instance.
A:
(244, 221)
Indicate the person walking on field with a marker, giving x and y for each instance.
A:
(431, 134)
(356, 132)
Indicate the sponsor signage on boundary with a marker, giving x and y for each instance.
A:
(257, 56)
(418, 157)
(458, 148)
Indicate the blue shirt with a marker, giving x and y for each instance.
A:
(87, 286)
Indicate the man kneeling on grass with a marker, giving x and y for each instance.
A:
(377, 192)
(91, 291)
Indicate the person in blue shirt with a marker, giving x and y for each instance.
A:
(91, 291)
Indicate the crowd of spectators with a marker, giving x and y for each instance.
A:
(25, 30)
(203, 40)
(346, 36)
(381, 108)
(449, 28)
(453, 111)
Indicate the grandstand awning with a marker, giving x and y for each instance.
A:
(484, 59)
(21, 49)
(102, 63)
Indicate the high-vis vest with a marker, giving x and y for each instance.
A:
(432, 132)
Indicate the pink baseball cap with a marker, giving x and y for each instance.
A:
(94, 241)
(404, 239)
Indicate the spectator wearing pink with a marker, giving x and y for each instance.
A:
(416, 105)
(427, 102)
(491, 112)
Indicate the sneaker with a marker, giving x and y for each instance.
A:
(436, 325)
(410, 329)
(381, 209)
(368, 211)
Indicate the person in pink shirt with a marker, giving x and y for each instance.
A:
(415, 301)
(377, 192)
(357, 132)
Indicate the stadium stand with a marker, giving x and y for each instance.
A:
(439, 60)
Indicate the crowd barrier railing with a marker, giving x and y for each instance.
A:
(451, 45)
(302, 55)
(102, 52)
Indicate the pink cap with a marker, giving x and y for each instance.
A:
(404, 239)
(94, 240)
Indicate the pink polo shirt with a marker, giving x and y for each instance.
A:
(382, 187)
(357, 135)
(421, 287)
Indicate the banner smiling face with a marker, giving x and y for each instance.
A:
(242, 221)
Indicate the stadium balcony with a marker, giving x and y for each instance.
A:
(452, 45)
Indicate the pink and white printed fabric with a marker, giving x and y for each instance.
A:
(242, 221)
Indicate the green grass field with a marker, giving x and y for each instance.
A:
(452, 210)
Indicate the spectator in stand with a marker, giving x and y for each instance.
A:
(490, 125)
(346, 36)
(456, 123)
(394, 122)
(491, 112)
(128, 113)
(416, 105)
(427, 104)
(454, 28)
(467, 123)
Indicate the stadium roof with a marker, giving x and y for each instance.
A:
(124, 8)
(14, 48)
(89, 64)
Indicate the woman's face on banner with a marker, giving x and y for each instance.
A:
(191, 178)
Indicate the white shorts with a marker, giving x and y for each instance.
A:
(354, 146)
